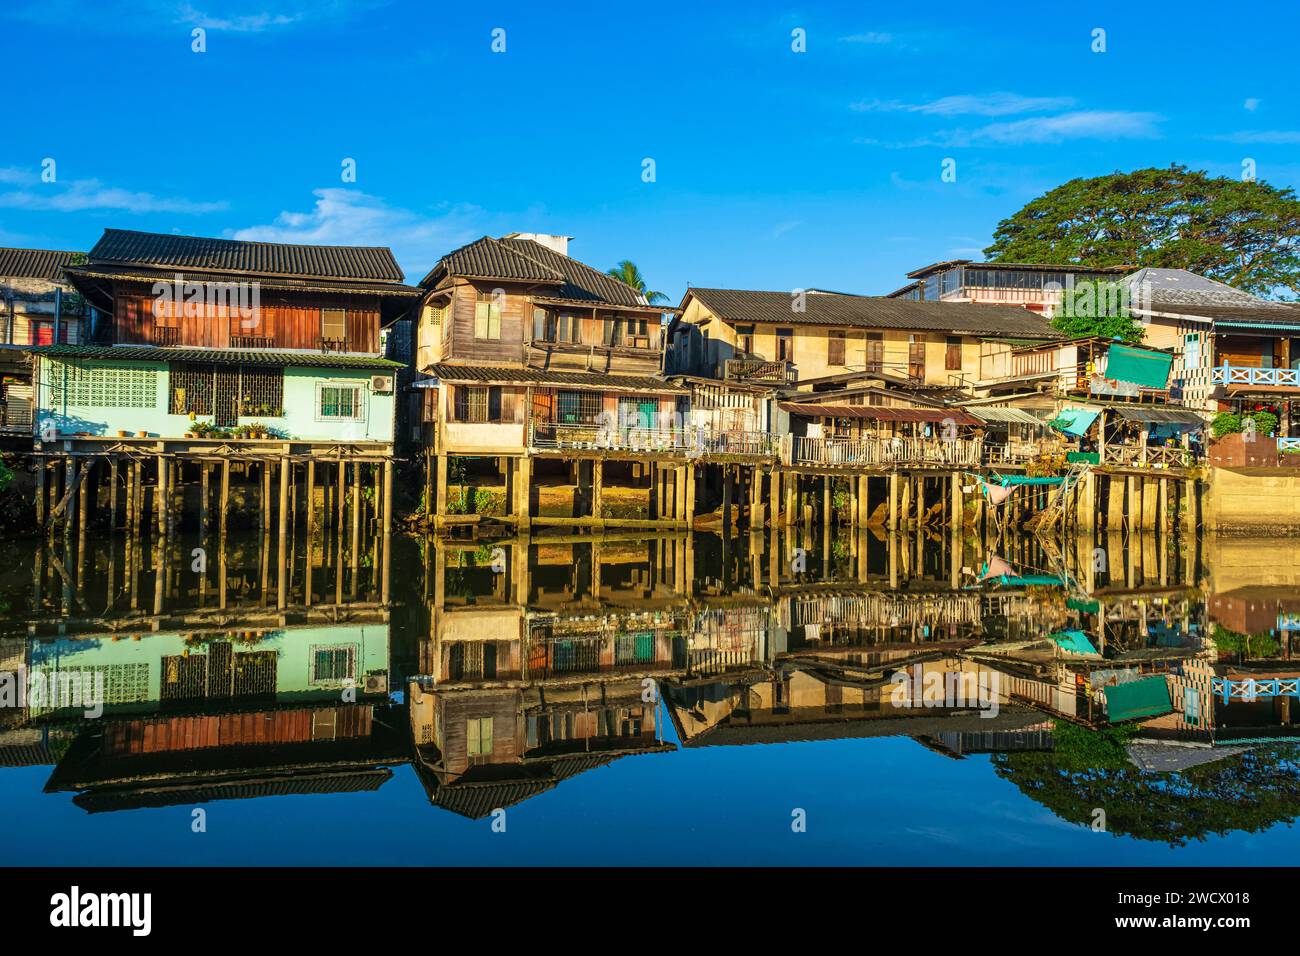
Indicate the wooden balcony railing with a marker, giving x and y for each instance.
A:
(759, 370)
(550, 436)
(333, 345)
(874, 452)
(166, 335)
(1250, 375)
(252, 342)
(1149, 456)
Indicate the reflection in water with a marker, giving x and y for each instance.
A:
(1149, 677)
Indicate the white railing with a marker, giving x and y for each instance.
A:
(881, 452)
(762, 444)
(1250, 375)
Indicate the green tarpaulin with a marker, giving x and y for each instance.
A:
(1147, 369)
(1074, 642)
(1074, 421)
(1138, 698)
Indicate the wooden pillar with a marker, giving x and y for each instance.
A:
(40, 491)
(689, 472)
(440, 492)
(893, 500)
(597, 489)
(791, 482)
(282, 576)
(83, 497)
(827, 499)
(225, 498)
(204, 495)
(356, 514)
(727, 475)
(311, 499)
(679, 494)
(1086, 507)
(387, 524)
(523, 493)
(160, 496)
(1191, 515)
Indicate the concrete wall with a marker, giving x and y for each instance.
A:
(1252, 498)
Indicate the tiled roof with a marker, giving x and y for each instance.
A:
(150, 274)
(34, 263)
(160, 250)
(523, 260)
(581, 281)
(1183, 292)
(872, 312)
(154, 353)
(537, 376)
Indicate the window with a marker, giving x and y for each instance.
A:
(785, 345)
(478, 737)
(478, 403)
(952, 354)
(875, 352)
(745, 339)
(916, 356)
(552, 327)
(226, 392)
(487, 316)
(333, 663)
(98, 386)
(1192, 351)
(835, 347)
(436, 314)
(334, 326)
(578, 408)
(340, 402)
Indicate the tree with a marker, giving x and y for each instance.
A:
(627, 273)
(1097, 308)
(1246, 234)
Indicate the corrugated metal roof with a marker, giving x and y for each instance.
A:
(871, 312)
(34, 263)
(536, 376)
(882, 413)
(153, 353)
(1168, 415)
(373, 263)
(1005, 415)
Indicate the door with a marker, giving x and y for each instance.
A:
(543, 416)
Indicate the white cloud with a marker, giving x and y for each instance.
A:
(1251, 104)
(1079, 124)
(218, 15)
(80, 195)
(348, 217)
(870, 37)
(1274, 137)
(986, 104)
(17, 176)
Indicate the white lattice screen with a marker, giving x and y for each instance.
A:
(97, 386)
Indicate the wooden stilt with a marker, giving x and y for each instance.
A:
(225, 503)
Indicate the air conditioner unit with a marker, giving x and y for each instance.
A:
(381, 383)
(376, 683)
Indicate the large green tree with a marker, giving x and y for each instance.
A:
(627, 273)
(1246, 234)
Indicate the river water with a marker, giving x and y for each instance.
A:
(660, 699)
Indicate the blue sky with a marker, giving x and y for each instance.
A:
(773, 168)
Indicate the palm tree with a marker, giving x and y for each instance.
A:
(627, 273)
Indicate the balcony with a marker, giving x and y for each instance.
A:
(759, 370)
(553, 436)
(1147, 456)
(882, 452)
(1251, 375)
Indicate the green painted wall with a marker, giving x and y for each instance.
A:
(149, 414)
(294, 649)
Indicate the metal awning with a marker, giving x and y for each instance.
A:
(881, 413)
(1006, 415)
(1165, 415)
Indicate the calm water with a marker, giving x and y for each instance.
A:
(659, 699)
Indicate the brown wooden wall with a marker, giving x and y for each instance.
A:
(515, 314)
(291, 321)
